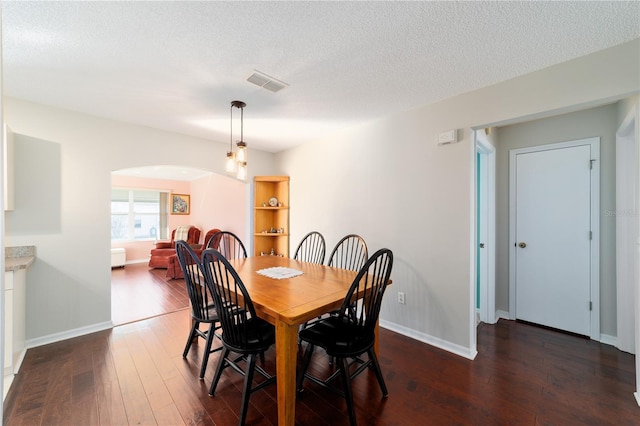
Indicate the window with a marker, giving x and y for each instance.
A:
(138, 214)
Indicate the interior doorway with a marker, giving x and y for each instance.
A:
(627, 238)
(485, 299)
(554, 236)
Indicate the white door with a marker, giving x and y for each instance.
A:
(553, 236)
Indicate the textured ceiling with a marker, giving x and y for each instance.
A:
(177, 65)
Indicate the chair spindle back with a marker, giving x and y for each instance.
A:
(195, 281)
(349, 253)
(311, 248)
(233, 303)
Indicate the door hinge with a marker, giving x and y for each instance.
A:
(591, 235)
(591, 306)
(591, 164)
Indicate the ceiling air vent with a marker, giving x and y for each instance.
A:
(261, 79)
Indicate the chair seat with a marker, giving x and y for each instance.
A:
(338, 336)
(212, 315)
(260, 335)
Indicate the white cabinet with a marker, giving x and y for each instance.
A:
(8, 320)
(14, 333)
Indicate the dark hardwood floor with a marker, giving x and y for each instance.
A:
(135, 374)
(138, 292)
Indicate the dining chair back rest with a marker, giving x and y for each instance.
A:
(229, 244)
(349, 253)
(195, 281)
(311, 248)
(366, 292)
(233, 303)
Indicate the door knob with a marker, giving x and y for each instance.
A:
(522, 245)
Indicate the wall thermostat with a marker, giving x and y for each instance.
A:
(448, 137)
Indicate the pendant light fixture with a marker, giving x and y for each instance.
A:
(237, 161)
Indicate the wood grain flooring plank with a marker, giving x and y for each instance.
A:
(160, 400)
(187, 401)
(110, 404)
(136, 404)
(57, 405)
(84, 410)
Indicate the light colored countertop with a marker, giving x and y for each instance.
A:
(19, 257)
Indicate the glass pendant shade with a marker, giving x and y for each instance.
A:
(242, 171)
(230, 164)
(241, 153)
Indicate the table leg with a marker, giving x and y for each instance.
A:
(195, 338)
(376, 343)
(286, 357)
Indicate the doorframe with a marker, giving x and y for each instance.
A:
(630, 128)
(594, 224)
(625, 289)
(487, 204)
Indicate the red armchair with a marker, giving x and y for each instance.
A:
(173, 266)
(164, 250)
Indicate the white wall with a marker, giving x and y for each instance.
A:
(389, 182)
(72, 155)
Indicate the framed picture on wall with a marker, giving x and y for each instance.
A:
(180, 204)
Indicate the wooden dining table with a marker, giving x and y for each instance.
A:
(287, 303)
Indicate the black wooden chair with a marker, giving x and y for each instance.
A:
(243, 332)
(349, 253)
(229, 244)
(202, 306)
(311, 248)
(350, 334)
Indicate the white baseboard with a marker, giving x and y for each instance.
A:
(502, 314)
(637, 395)
(131, 262)
(608, 340)
(604, 338)
(430, 340)
(69, 334)
(8, 379)
(18, 363)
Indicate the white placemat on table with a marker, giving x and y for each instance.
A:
(280, 272)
